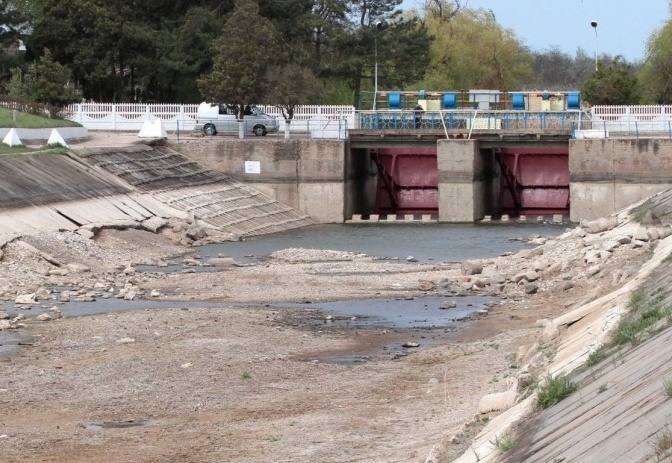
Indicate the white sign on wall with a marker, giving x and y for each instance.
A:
(252, 167)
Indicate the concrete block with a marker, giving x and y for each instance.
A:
(409, 218)
(487, 218)
(505, 217)
(426, 218)
(391, 217)
(557, 218)
(522, 218)
(356, 217)
(374, 218)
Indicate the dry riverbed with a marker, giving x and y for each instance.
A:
(247, 381)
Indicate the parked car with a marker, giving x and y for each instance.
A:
(222, 118)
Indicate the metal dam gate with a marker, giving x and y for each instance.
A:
(522, 177)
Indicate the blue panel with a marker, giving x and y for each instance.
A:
(518, 101)
(574, 100)
(449, 101)
(394, 100)
(422, 95)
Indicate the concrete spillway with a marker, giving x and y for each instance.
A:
(131, 183)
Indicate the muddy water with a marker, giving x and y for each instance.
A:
(425, 242)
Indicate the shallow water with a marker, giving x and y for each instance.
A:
(426, 242)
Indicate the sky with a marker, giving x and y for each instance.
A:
(623, 26)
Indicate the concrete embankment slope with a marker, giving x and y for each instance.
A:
(127, 186)
(621, 409)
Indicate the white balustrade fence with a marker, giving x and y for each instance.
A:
(640, 121)
(314, 121)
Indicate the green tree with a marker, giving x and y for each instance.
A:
(44, 81)
(613, 84)
(657, 68)
(289, 86)
(241, 59)
(471, 50)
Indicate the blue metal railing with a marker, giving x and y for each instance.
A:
(471, 119)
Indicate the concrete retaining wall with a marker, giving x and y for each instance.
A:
(608, 175)
(308, 175)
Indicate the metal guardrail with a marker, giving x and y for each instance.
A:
(499, 120)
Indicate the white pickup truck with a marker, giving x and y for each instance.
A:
(222, 118)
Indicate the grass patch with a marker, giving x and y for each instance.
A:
(662, 445)
(644, 314)
(553, 390)
(504, 443)
(596, 356)
(667, 385)
(246, 375)
(31, 121)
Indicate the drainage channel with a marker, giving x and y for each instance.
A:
(408, 322)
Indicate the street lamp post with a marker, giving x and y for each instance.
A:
(379, 24)
(594, 26)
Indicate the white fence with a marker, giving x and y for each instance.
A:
(640, 121)
(314, 121)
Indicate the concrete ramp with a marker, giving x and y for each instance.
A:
(183, 184)
(42, 179)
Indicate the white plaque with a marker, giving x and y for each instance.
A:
(252, 167)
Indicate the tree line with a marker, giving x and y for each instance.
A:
(290, 52)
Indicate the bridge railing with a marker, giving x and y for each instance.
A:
(624, 128)
(499, 120)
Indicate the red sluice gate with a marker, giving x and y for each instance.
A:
(534, 180)
(407, 180)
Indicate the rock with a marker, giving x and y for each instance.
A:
(497, 401)
(64, 297)
(531, 288)
(129, 270)
(4, 315)
(471, 268)
(653, 234)
(45, 317)
(25, 299)
(196, 233)
(593, 270)
(125, 341)
(86, 233)
(625, 240)
(497, 279)
(641, 234)
(5, 325)
(78, 268)
(604, 255)
(154, 293)
(410, 344)
(130, 295)
(411, 259)
(567, 285)
(551, 331)
(42, 293)
(154, 224)
(448, 305)
(610, 245)
(220, 262)
(531, 275)
(425, 285)
(649, 218)
(524, 380)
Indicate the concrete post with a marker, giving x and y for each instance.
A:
(461, 188)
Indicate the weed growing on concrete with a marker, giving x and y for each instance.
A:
(596, 356)
(553, 390)
(662, 445)
(642, 319)
(667, 385)
(246, 375)
(602, 388)
(504, 444)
